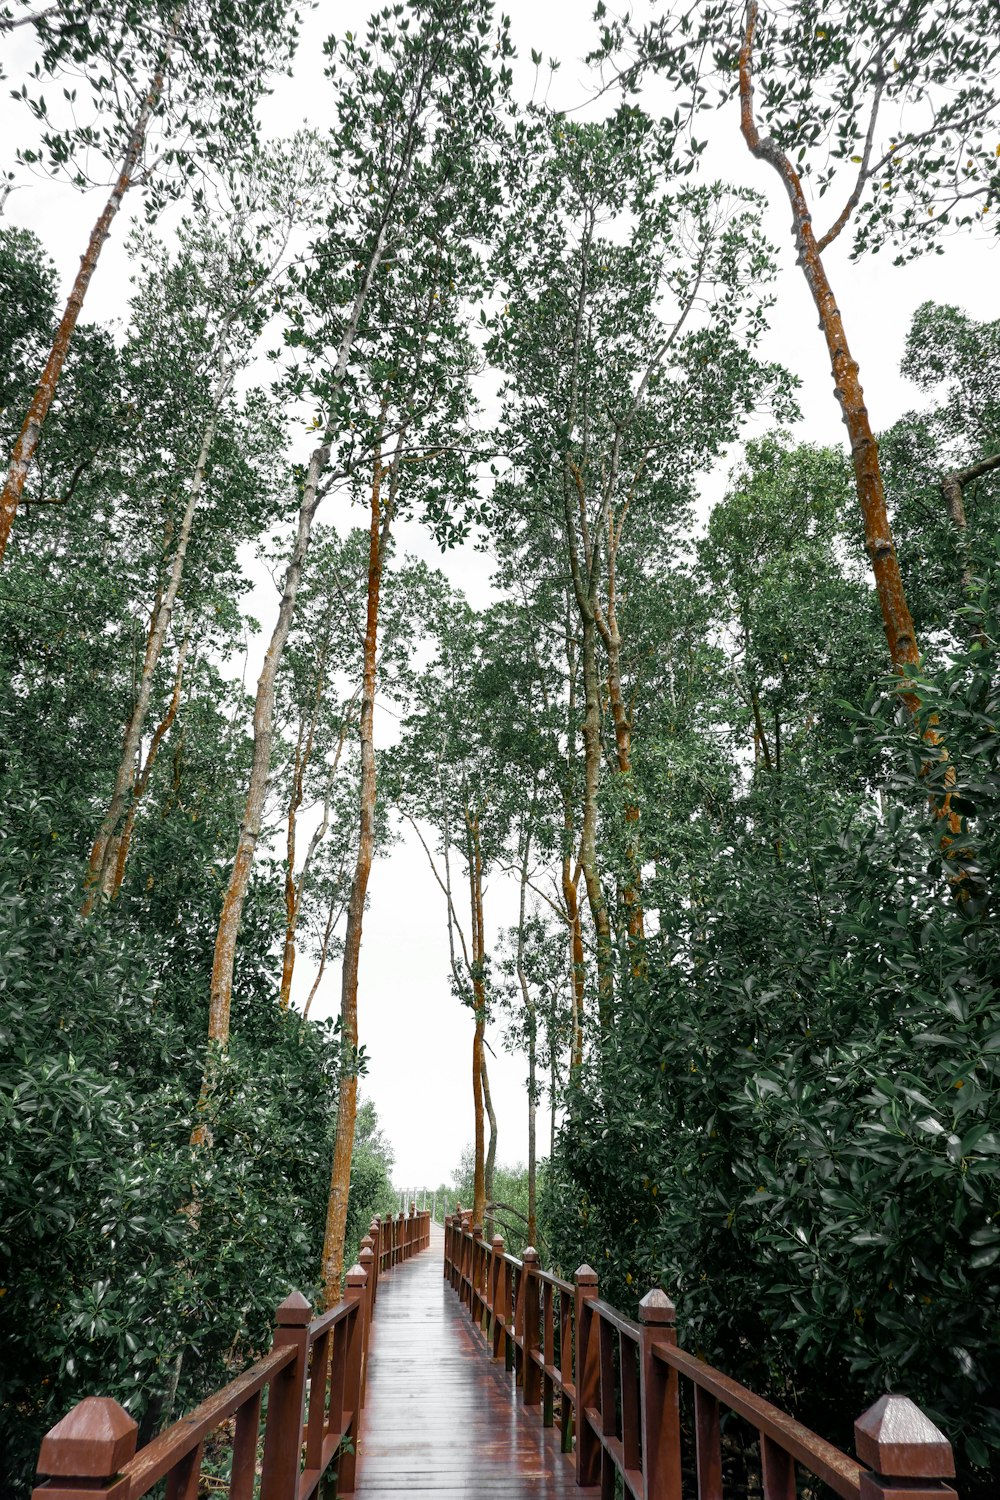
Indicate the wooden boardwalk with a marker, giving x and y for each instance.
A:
(440, 1417)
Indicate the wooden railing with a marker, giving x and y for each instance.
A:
(401, 1236)
(618, 1381)
(311, 1388)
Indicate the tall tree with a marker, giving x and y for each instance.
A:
(631, 365)
(211, 302)
(900, 100)
(196, 76)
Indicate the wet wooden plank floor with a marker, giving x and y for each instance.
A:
(440, 1416)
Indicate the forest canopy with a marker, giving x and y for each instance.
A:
(445, 480)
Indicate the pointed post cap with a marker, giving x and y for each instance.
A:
(413, 1208)
(585, 1275)
(498, 1242)
(93, 1441)
(356, 1276)
(294, 1312)
(477, 1231)
(367, 1255)
(529, 1255)
(656, 1307)
(894, 1438)
(366, 1242)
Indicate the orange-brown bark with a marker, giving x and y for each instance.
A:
(142, 783)
(34, 420)
(479, 1083)
(102, 860)
(343, 1149)
(304, 745)
(607, 623)
(896, 618)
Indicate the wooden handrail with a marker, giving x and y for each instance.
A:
(619, 1384)
(314, 1377)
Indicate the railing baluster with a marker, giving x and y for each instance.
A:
(607, 1342)
(355, 1324)
(479, 1271)
(338, 1380)
(243, 1471)
(587, 1366)
(567, 1410)
(629, 1384)
(708, 1445)
(316, 1422)
(777, 1470)
(548, 1354)
(529, 1314)
(496, 1296)
(367, 1262)
(185, 1477)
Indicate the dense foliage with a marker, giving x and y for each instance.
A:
(724, 727)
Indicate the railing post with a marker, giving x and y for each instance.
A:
(908, 1458)
(496, 1296)
(375, 1234)
(532, 1377)
(87, 1449)
(355, 1291)
(468, 1260)
(286, 1403)
(659, 1401)
(366, 1260)
(477, 1298)
(587, 1376)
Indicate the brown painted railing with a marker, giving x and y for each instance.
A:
(619, 1386)
(314, 1382)
(401, 1236)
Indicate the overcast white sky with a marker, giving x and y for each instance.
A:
(418, 1040)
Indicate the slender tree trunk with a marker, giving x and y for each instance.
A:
(897, 621)
(220, 997)
(761, 746)
(343, 1149)
(38, 410)
(530, 1024)
(319, 834)
(332, 915)
(632, 894)
(588, 831)
(101, 854)
(896, 618)
(570, 880)
(114, 885)
(220, 994)
(480, 1081)
(479, 1168)
(304, 744)
(953, 490)
(489, 1166)
(553, 1075)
